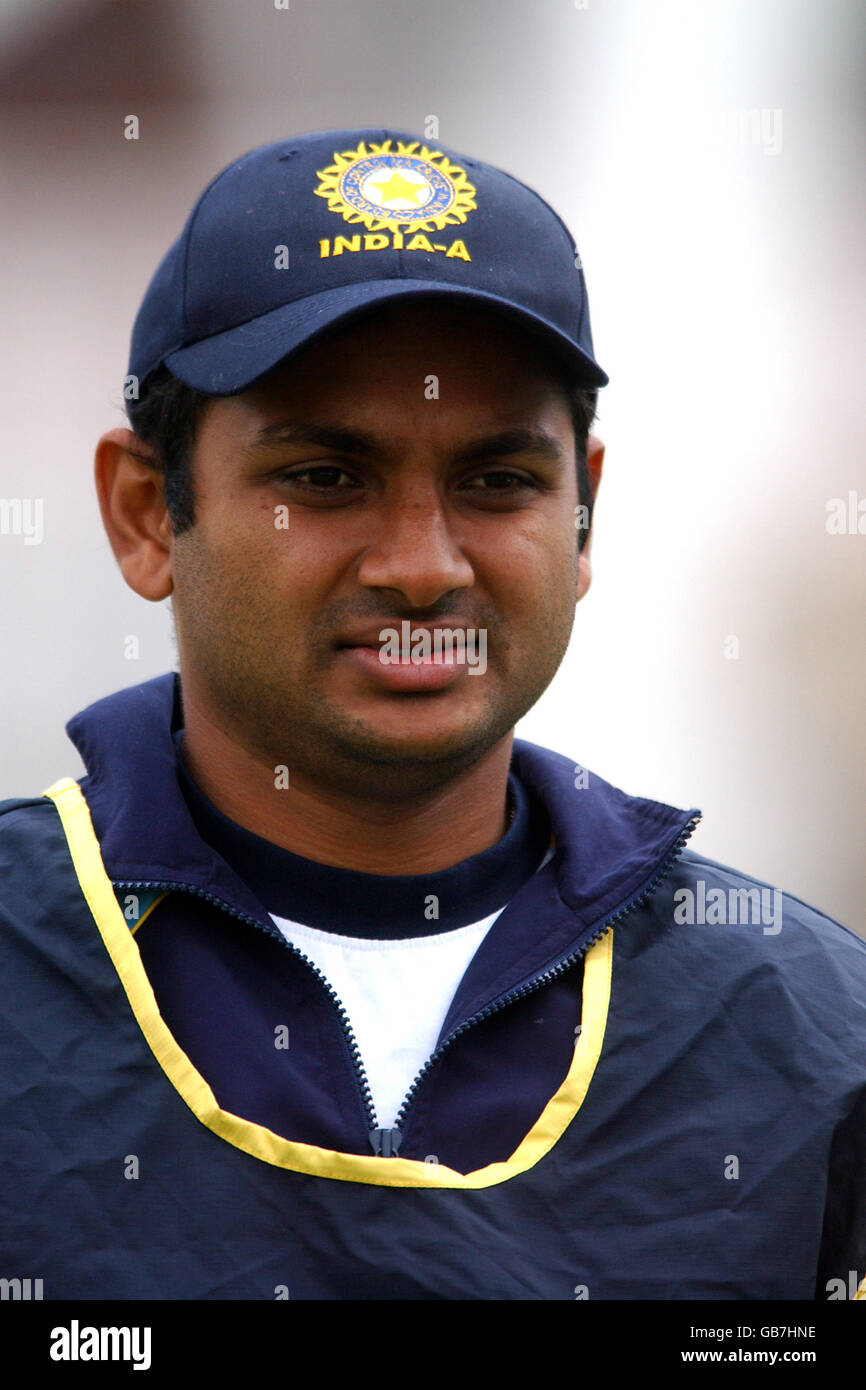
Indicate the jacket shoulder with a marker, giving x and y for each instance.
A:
(749, 934)
(31, 837)
(18, 813)
(784, 969)
(792, 910)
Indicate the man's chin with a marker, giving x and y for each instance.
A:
(409, 747)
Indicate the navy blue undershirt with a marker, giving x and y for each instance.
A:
(383, 906)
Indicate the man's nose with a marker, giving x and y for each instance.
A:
(414, 548)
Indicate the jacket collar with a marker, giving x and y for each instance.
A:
(609, 846)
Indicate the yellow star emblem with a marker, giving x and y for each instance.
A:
(397, 187)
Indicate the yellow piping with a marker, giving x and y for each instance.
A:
(263, 1143)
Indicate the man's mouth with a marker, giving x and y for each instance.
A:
(402, 675)
(416, 657)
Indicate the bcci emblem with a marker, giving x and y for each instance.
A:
(412, 188)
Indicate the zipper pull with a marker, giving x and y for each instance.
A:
(385, 1142)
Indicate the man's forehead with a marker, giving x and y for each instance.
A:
(374, 423)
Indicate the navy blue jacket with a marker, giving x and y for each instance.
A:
(651, 1082)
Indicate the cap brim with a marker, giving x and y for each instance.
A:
(230, 362)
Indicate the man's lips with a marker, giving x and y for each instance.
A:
(435, 673)
(364, 652)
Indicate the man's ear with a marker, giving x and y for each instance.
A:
(594, 461)
(129, 487)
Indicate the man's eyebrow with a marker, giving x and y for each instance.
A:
(349, 441)
(519, 439)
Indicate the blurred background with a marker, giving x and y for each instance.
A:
(708, 158)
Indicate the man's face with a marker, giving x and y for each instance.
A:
(430, 478)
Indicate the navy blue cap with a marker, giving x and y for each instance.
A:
(297, 236)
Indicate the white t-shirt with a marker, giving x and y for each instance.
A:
(396, 994)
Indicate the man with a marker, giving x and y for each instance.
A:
(320, 985)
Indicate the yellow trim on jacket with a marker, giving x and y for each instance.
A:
(144, 916)
(263, 1143)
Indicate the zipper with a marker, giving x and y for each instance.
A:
(386, 1141)
(559, 969)
(376, 1135)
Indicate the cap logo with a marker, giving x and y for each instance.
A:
(413, 188)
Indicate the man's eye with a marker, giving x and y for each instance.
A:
(500, 480)
(322, 476)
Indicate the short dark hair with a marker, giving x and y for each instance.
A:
(166, 414)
